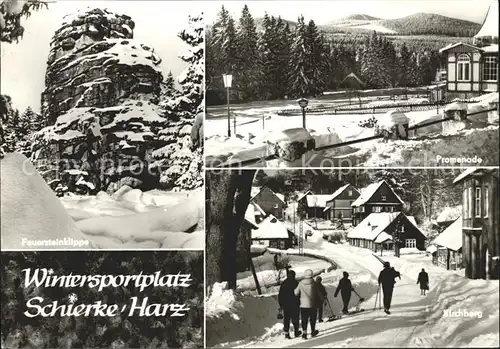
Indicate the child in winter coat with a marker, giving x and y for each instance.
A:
(322, 297)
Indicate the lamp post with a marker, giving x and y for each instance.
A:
(228, 80)
(303, 104)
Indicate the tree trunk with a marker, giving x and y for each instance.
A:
(227, 199)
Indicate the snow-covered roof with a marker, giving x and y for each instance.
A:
(490, 24)
(270, 228)
(352, 76)
(412, 220)
(451, 237)
(250, 216)
(318, 200)
(369, 191)
(326, 209)
(341, 190)
(449, 214)
(300, 197)
(373, 225)
(383, 237)
(450, 46)
(465, 174)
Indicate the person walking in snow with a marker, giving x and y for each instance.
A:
(423, 280)
(345, 288)
(387, 278)
(307, 291)
(290, 305)
(322, 297)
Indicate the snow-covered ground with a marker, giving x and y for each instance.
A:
(235, 320)
(129, 218)
(256, 125)
(132, 218)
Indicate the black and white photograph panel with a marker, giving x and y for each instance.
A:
(102, 299)
(102, 112)
(351, 83)
(352, 258)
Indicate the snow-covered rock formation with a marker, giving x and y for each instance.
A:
(101, 102)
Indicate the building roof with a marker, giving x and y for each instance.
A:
(369, 191)
(373, 225)
(490, 24)
(383, 237)
(451, 237)
(270, 228)
(465, 174)
(250, 216)
(490, 48)
(452, 46)
(449, 214)
(256, 190)
(314, 200)
(352, 80)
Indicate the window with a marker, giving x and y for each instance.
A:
(362, 209)
(377, 209)
(350, 192)
(486, 201)
(384, 198)
(463, 67)
(466, 204)
(469, 203)
(276, 206)
(478, 202)
(411, 243)
(490, 68)
(390, 209)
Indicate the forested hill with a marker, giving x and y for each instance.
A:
(430, 23)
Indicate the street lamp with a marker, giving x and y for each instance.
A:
(228, 80)
(303, 104)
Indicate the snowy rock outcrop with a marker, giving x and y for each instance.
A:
(101, 102)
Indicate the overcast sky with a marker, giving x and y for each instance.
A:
(323, 12)
(157, 23)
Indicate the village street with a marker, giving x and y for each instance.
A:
(408, 309)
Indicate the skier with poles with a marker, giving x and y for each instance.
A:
(387, 278)
(423, 280)
(307, 291)
(345, 288)
(322, 297)
(290, 305)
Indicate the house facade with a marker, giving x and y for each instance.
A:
(270, 202)
(387, 230)
(339, 205)
(271, 232)
(480, 234)
(473, 69)
(313, 205)
(376, 198)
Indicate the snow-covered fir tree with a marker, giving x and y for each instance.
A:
(248, 71)
(181, 165)
(300, 63)
(11, 14)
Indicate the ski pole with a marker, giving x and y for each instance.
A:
(376, 298)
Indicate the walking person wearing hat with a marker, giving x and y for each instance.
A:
(307, 291)
(387, 278)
